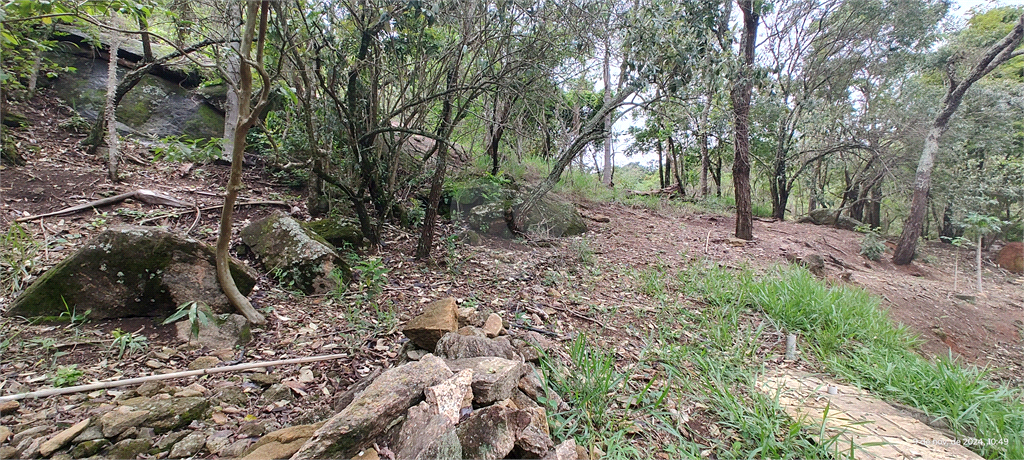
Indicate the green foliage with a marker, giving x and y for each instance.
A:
(195, 311)
(371, 275)
(66, 376)
(71, 315)
(17, 253)
(127, 343)
(581, 251)
(651, 281)
(853, 337)
(181, 149)
(602, 400)
(872, 245)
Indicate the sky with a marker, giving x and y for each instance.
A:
(959, 9)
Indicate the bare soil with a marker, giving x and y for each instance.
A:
(515, 279)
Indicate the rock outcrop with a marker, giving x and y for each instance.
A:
(131, 271)
(297, 257)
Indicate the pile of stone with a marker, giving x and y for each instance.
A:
(465, 390)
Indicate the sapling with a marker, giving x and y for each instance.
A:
(982, 225)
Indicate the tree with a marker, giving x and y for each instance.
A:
(997, 54)
(256, 13)
(742, 87)
(982, 225)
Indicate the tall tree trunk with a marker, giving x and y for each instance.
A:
(994, 57)
(256, 12)
(606, 176)
(661, 167)
(702, 139)
(873, 209)
(444, 131)
(741, 110)
(110, 113)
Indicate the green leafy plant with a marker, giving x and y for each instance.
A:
(181, 149)
(196, 316)
(17, 253)
(127, 343)
(66, 376)
(71, 314)
(372, 275)
(872, 246)
(981, 225)
(581, 251)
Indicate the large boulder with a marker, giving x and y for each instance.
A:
(295, 255)
(1011, 257)
(131, 271)
(488, 204)
(370, 414)
(427, 435)
(490, 433)
(828, 217)
(338, 232)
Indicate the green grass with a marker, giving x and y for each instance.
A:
(852, 338)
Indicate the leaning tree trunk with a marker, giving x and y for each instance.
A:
(606, 175)
(994, 57)
(247, 117)
(741, 110)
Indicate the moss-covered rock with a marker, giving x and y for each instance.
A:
(340, 233)
(131, 271)
(10, 154)
(297, 257)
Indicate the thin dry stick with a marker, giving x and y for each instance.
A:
(174, 375)
(210, 208)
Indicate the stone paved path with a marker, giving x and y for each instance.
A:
(876, 429)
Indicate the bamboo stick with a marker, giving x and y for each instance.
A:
(173, 375)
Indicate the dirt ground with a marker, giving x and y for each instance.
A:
(512, 278)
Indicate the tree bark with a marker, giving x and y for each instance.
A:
(606, 176)
(590, 132)
(994, 57)
(702, 139)
(741, 110)
(256, 11)
(109, 109)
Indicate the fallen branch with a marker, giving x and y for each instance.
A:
(143, 195)
(174, 375)
(210, 208)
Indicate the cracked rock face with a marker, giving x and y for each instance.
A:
(294, 255)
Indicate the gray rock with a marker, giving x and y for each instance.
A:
(494, 379)
(151, 388)
(567, 450)
(469, 316)
(266, 380)
(427, 435)
(457, 346)
(170, 439)
(490, 432)
(202, 362)
(232, 396)
(828, 217)
(277, 392)
(300, 256)
(29, 447)
(188, 446)
(34, 432)
(236, 449)
(252, 429)
(438, 318)
(89, 448)
(173, 413)
(131, 271)
(338, 232)
(128, 448)
(221, 333)
(93, 432)
(120, 419)
(217, 441)
(388, 397)
(533, 442)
